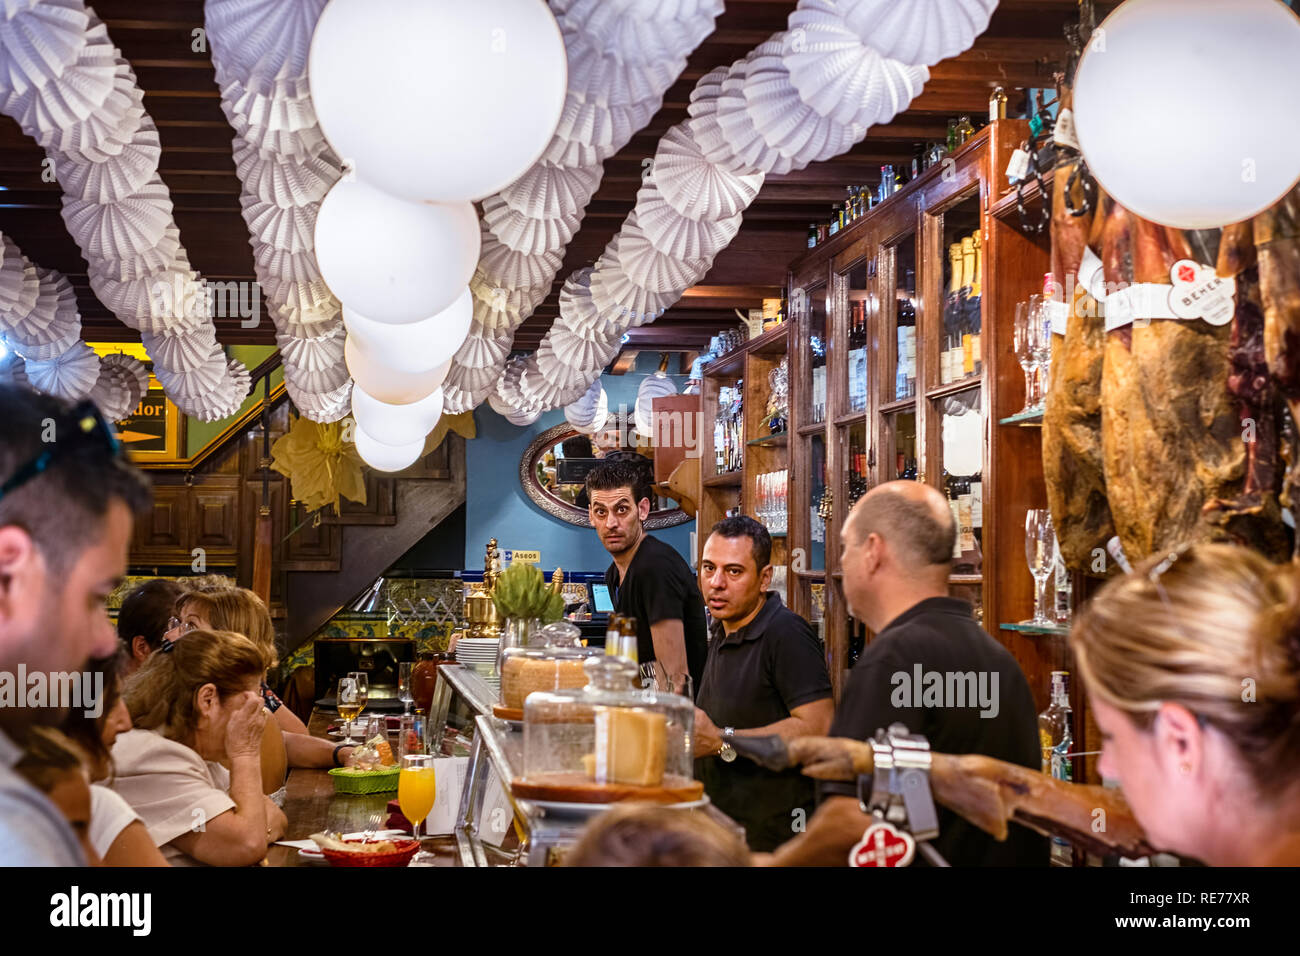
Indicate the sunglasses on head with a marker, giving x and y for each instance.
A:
(84, 427)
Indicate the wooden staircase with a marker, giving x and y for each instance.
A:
(205, 513)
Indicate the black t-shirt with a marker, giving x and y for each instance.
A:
(892, 683)
(659, 586)
(753, 678)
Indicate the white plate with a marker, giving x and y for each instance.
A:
(316, 855)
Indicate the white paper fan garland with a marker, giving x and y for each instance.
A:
(115, 177)
(695, 187)
(122, 229)
(19, 284)
(600, 74)
(70, 375)
(527, 234)
(655, 385)
(648, 267)
(114, 392)
(673, 234)
(916, 31)
(321, 407)
(581, 351)
(161, 257)
(615, 295)
(180, 352)
(284, 182)
(52, 326)
(503, 297)
(290, 228)
(638, 40)
(282, 264)
(781, 117)
(13, 371)
(724, 129)
(262, 38)
(587, 415)
(507, 268)
(548, 191)
(133, 367)
(40, 44)
(483, 349)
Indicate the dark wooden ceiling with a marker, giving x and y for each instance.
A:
(1023, 46)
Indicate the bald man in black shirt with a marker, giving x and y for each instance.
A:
(898, 543)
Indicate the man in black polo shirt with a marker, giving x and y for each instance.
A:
(897, 556)
(766, 674)
(649, 580)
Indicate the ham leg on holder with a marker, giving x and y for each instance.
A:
(991, 793)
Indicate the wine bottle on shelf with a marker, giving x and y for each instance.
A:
(964, 130)
(836, 219)
(953, 142)
(1056, 738)
(906, 383)
(967, 290)
(812, 235)
(974, 314)
(949, 364)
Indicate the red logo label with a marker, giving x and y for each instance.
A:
(883, 845)
(1186, 274)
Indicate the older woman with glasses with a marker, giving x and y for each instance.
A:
(191, 768)
(1192, 667)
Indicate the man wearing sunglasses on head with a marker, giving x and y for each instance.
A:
(67, 500)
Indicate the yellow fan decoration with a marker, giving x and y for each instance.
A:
(462, 425)
(320, 465)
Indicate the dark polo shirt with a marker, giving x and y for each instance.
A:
(755, 677)
(660, 586)
(940, 635)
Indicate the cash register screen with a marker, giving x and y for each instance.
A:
(602, 602)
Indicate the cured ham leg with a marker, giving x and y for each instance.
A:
(990, 793)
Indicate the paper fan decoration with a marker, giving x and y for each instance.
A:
(196, 381)
(501, 264)
(265, 38)
(240, 378)
(838, 75)
(655, 385)
(916, 31)
(271, 112)
(300, 296)
(646, 9)
(113, 178)
(70, 375)
(178, 352)
(524, 233)
(478, 381)
(321, 407)
(459, 397)
(291, 144)
(673, 234)
(508, 394)
(614, 294)
(282, 264)
(548, 191)
(306, 323)
(320, 380)
(587, 415)
(545, 366)
(133, 367)
(784, 120)
(171, 301)
(122, 229)
(504, 297)
(600, 74)
(292, 229)
(20, 286)
(523, 418)
(695, 187)
(724, 129)
(638, 40)
(282, 182)
(99, 83)
(40, 43)
(492, 317)
(482, 349)
(161, 257)
(580, 351)
(648, 267)
(52, 326)
(315, 354)
(13, 371)
(114, 392)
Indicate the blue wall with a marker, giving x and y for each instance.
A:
(497, 507)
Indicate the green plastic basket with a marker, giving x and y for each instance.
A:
(347, 780)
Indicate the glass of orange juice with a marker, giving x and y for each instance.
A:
(417, 786)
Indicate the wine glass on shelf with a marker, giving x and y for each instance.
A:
(417, 787)
(349, 706)
(1040, 554)
(1025, 352)
(1041, 319)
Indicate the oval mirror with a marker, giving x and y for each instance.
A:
(554, 467)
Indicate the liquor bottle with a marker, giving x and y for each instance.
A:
(967, 290)
(953, 141)
(835, 220)
(851, 205)
(977, 508)
(818, 366)
(812, 235)
(906, 385)
(998, 105)
(964, 130)
(857, 355)
(719, 436)
(949, 364)
(974, 315)
(1056, 738)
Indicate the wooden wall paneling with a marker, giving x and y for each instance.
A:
(214, 519)
(380, 507)
(161, 532)
(311, 545)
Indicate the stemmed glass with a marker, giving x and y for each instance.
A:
(349, 705)
(404, 693)
(361, 680)
(417, 786)
(1040, 318)
(1025, 352)
(1040, 554)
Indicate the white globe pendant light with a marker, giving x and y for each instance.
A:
(391, 260)
(442, 101)
(387, 384)
(383, 457)
(396, 425)
(417, 346)
(1181, 108)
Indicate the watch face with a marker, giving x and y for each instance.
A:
(728, 753)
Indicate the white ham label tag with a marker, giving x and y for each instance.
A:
(1064, 133)
(1018, 167)
(1198, 292)
(1090, 275)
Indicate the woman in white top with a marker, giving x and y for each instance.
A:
(196, 705)
(116, 832)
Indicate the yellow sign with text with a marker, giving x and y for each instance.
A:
(524, 557)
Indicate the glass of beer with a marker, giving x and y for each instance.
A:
(417, 786)
(350, 703)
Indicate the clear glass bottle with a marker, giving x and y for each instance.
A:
(1056, 737)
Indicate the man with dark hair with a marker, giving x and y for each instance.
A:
(66, 506)
(649, 580)
(145, 617)
(765, 674)
(897, 556)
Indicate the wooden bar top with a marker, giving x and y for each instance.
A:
(312, 806)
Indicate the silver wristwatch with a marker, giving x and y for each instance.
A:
(728, 752)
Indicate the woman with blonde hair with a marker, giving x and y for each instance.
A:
(195, 706)
(1192, 667)
(242, 611)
